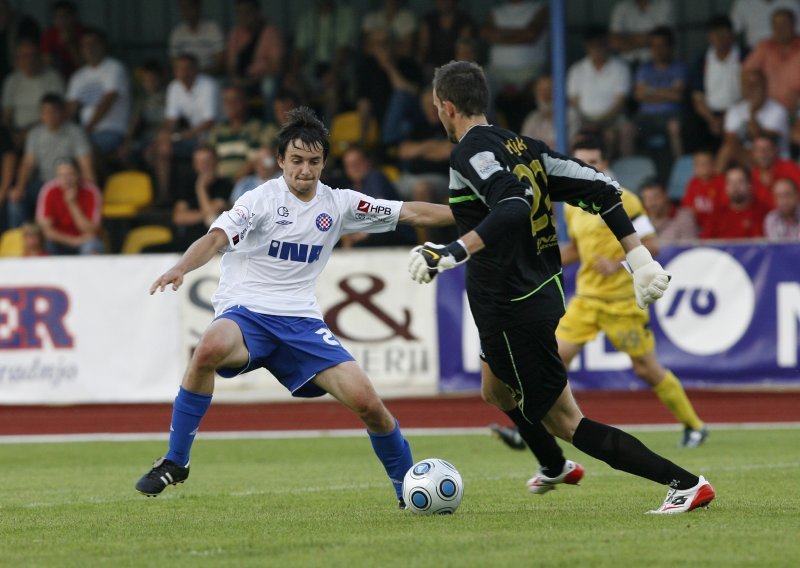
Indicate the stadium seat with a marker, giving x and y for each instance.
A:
(391, 172)
(145, 236)
(631, 171)
(346, 130)
(682, 171)
(12, 243)
(126, 193)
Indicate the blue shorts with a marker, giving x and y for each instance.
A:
(293, 349)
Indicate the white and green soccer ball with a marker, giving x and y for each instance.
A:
(433, 487)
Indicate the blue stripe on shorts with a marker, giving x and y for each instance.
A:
(291, 348)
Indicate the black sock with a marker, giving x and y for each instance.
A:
(540, 442)
(622, 451)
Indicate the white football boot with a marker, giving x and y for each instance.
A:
(571, 475)
(683, 501)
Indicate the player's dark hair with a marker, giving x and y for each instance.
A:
(302, 124)
(463, 84)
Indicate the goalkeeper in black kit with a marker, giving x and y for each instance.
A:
(501, 190)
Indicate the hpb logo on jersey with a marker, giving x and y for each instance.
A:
(324, 222)
(710, 304)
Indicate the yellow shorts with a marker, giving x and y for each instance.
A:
(627, 326)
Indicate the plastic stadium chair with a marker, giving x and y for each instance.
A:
(126, 193)
(391, 172)
(631, 171)
(145, 236)
(682, 171)
(12, 243)
(346, 130)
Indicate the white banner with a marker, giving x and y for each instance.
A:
(75, 330)
(386, 321)
(83, 329)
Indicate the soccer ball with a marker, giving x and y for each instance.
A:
(433, 487)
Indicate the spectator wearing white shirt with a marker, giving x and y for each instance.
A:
(99, 92)
(756, 115)
(753, 18)
(517, 35)
(399, 21)
(716, 84)
(192, 107)
(631, 23)
(202, 38)
(24, 88)
(598, 87)
(783, 222)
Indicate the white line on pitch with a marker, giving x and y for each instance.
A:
(349, 433)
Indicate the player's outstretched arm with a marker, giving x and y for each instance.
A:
(650, 280)
(199, 253)
(423, 214)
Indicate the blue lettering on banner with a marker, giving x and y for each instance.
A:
(731, 317)
(26, 313)
(296, 252)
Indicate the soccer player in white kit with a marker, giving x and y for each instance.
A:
(276, 240)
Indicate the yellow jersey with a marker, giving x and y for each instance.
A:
(593, 238)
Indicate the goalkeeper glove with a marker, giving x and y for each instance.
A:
(650, 280)
(425, 261)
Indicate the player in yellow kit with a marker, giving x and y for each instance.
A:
(604, 300)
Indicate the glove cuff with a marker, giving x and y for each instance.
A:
(459, 250)
(638, 257)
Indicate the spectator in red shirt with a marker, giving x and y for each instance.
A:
(705, 192)
(743, 216)
(61, 41)
(768, 167)
(68, 211)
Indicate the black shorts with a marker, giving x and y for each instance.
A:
(526, 359)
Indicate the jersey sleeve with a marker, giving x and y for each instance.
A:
(240, 220)
(580, 185)
(481, 170)
(635, 210)
(362, 213)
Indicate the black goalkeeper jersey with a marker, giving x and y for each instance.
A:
(517, 278)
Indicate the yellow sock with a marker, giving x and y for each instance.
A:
(671, 393)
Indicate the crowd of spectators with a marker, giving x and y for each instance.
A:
(202, 120)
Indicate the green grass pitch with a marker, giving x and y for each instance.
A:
(326, 502)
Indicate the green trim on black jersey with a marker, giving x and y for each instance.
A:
(463, 198)
(529, 294)
(521, 403)
(561, 289)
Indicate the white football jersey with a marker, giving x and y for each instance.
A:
(278, 245)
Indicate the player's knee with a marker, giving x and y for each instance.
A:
(210, 352)
(499, 397)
